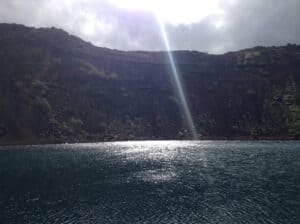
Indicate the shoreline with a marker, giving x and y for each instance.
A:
(55, 142)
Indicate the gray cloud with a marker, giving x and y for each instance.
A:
(245, 23)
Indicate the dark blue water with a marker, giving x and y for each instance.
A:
(151, 182)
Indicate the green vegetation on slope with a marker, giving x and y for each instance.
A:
(55, 87)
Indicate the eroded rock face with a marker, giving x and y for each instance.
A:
(57, 87)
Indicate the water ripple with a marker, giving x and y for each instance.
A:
(151, 182)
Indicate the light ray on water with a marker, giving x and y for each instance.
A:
(178, 83)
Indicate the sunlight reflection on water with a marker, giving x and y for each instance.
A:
(150, 182)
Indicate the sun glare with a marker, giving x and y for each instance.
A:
(174, 11)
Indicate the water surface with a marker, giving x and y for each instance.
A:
(151, 182)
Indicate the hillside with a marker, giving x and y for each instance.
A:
(54, 87)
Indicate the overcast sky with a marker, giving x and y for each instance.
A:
(214, 26)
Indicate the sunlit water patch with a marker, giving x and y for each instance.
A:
(151, 182)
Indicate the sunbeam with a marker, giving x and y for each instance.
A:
(178, 83)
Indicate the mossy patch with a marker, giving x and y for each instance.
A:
(90, 69)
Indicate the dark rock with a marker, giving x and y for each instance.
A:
(2, 130)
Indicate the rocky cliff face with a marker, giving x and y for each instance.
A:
(55, 87)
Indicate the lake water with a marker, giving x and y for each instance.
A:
(151, 182)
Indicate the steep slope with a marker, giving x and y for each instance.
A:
(55, 87)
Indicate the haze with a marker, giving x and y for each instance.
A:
(215, 26)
